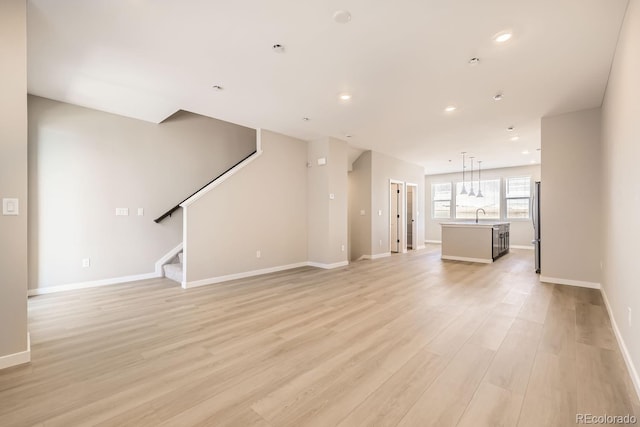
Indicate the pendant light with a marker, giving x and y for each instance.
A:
(471, 192)
(464, 190)
(479, 189)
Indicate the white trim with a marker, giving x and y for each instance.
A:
(579, 283)
(462, 258)
(219, 279)
(328, 266)
(166, 258)
(633, 373)
(527, 247)
(229, 174)
(92, 284)
(375, 256)
(433, 242)
(17, 358)
(421, 247)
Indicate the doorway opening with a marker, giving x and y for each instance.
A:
(397, 239)
(412, 213)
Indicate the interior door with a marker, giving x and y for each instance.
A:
(410, 219)
(394, 218)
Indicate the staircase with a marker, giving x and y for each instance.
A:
(173, 270)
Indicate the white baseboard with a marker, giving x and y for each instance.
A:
(530, 247)
(226, 278)
(92, 284)
(462, 258)
(166, 258)
(434, 242)
(17, 358)
(421, 247)
(374, 256)
(328, 266)
(633, 373)
(579, 283)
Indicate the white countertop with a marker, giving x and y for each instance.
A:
(472, 223)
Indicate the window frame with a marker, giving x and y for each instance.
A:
(499, 200)
(507, 198)
(434, 200)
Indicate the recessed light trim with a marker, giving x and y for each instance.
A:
(216, 87)
(498, 97)
(278, 48)
(503, 36)
(474, 60)
(450, 108)
(345, 96)
(306, 119)
(525, 152)
(510, 129)
(514, 138)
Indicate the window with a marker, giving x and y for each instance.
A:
(441, 196)
(466, 206)
(518, 191)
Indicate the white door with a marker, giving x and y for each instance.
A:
(394, 219)
(410, 219)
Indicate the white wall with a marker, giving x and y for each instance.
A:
(85, 163)
(621, 192)
(571, 197)
(521, 231)
(327, 218)
(13, 180)
(262, 207)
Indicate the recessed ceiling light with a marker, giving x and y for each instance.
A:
(306, 119)
(514, 138)
(278, 48)
(510, 129)
(216, 87)
(498, 97)
(345, 96)
(525, 152)
(342, 16)
(348, 135)
(450, 108)
(503, 36)
(474, 60)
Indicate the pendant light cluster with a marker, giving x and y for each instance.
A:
(471, 193)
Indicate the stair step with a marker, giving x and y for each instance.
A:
(173, 272)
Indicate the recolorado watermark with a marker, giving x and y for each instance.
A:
(606, 419)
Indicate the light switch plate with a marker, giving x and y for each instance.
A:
(10, 207)
(140, 211)
(322, 161)
(122, 211)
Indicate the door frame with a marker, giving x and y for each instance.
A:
(402, 206)
(414, 215)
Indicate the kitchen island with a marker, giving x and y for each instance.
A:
(475, 242)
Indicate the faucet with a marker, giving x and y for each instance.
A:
(478, 210)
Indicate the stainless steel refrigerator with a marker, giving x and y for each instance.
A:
(535, 219)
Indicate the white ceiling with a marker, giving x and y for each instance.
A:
(403, 61)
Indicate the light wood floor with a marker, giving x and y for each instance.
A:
(408, 340)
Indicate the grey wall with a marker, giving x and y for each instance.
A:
(570, 217)
(621, 193)
(83, 164)
(262, 207)
(13, 176)
(360, 200)
(327, 218)
(521, 231)
(383, 169)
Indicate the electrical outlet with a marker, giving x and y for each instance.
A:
(86, 262)
(380, 243)
(629, 315)
(258, 253)
(140, 211)
(342, 247)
